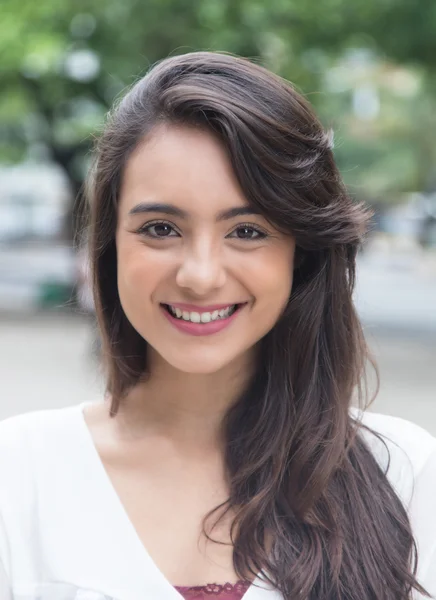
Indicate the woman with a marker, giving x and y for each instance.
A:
(226, 458)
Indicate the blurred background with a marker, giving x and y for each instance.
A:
(368, 67)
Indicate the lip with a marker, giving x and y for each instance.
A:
(200, 309)
(198, 329)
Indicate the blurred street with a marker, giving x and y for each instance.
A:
(46, 360)
(103, 135)
(369, 75)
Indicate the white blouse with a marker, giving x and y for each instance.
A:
(64, 534)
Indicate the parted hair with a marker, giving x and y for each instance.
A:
(301, 473)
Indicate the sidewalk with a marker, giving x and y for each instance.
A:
(45, 362)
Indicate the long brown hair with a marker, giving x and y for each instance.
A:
(300, 471)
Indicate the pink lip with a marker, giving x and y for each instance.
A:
(195, 308)
(200, 328)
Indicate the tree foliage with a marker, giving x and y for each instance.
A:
(63, 63)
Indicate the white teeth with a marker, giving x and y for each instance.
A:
(205, 317)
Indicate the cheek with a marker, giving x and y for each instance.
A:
(271, 278)
(139, 271)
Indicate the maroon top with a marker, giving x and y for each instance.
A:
(226, 591)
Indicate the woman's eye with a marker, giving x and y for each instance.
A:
(158, 230)
(247, 232)
(161, 230)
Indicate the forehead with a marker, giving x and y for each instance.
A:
(185, 166)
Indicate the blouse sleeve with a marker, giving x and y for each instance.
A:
(422, 513)
(5, 587)
(5, 590)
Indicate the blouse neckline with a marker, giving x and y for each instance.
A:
(131, 540)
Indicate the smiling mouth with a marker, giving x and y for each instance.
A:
(202, 317)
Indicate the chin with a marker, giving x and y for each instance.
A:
(200, 364)
(199, 367)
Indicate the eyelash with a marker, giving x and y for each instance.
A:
(144, 230)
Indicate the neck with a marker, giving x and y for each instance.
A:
(186, 408)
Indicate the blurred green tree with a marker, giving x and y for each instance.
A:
(63, 63)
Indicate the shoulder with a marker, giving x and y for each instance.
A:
(18, 431)
(402, 437)
(27, 439)
(14, 442)
(407, 454)
(403, 449)
(37, 421)
(34, 450)
(14, 429)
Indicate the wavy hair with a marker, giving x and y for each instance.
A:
(300, 471)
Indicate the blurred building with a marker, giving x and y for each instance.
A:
(36, 266)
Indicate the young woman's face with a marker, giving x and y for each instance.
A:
(189, 246)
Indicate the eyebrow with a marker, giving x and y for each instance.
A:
(175, 211)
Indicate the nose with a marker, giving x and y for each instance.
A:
(201, 270)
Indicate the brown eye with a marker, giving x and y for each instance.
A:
(248, 232)
(245, 232)
(158, 230)
(161, 230)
